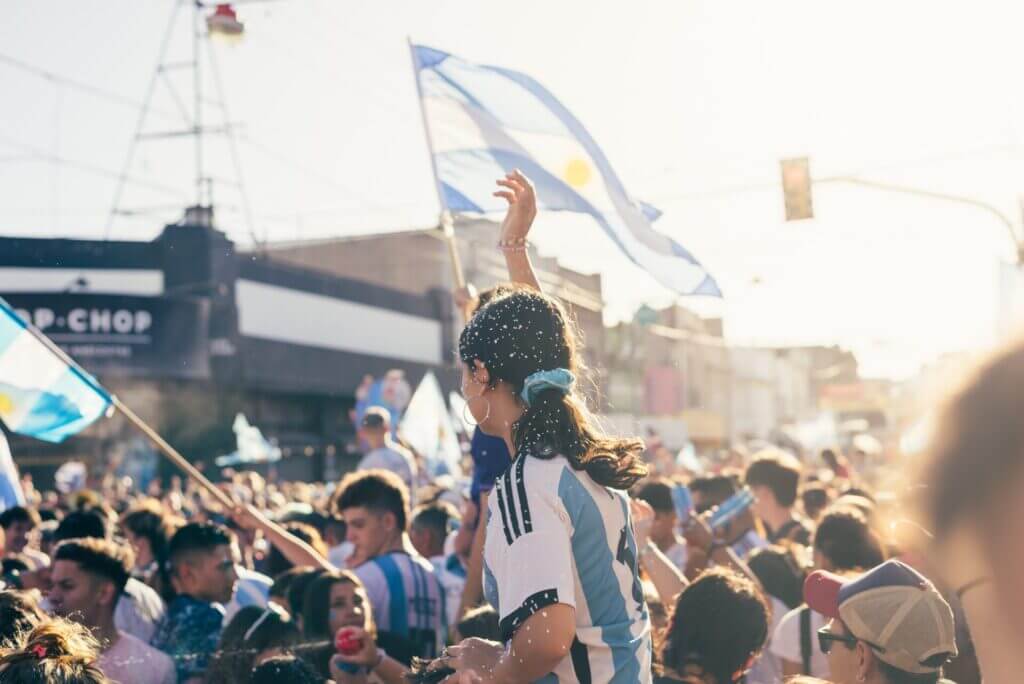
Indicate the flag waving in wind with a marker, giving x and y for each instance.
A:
(41, 395)
(483, 121)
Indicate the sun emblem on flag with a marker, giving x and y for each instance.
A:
(6, 405)
(577, 172)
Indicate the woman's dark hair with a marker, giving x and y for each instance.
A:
(297, 590)
(285, 670)
(780, 573)
(316, 606)
(149, 521)
(54, 652)
(847, 541)
(482, 623)
(719, 622)
(235, 655)
(521, 332)
(19, 613)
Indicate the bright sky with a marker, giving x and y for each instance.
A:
(693, 101)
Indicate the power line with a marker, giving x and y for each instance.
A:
(86, 167)
(57, 79)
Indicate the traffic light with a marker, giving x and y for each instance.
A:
(796, 188)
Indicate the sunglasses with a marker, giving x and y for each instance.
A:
(826, 639)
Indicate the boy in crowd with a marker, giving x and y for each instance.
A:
(18, 522)
(385, 453)
(429, 530)
(774, 478)
(657, 493)
(407, 598)
(203, 570)
(89, 576)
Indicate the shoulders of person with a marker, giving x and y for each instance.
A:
(186, 608)
(131, 644)
(143, 594)
(38, 559)
(253, 578)
(785, 642)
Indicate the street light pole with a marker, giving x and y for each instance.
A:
(1018, 243)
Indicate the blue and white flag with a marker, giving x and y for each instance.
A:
(40, 395)
(10, 484)
(253, 447)
(427, 427)
(484, 121)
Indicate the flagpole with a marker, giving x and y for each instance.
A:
(447, 222)
(173, 454)
(159, 441)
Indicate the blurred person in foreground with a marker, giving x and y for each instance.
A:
(55, 652)
(888, 626)
(89, 576)
(203, 571)
(974, 472)
(19, 613)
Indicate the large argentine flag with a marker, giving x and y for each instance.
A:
(484, 121)
(40, 395)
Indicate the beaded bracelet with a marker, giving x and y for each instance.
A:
(514, 245)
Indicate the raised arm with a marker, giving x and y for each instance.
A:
(518, 191)
(297, 552)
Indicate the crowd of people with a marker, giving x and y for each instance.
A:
(570, 556)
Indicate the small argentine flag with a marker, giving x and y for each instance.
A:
(41, 395)
(483, 121)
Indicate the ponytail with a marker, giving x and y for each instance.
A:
(556, 423)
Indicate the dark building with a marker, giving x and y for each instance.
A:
(188, 331)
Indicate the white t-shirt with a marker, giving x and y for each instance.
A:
(677, 554)
(338, 555)
(768, 667)
(786, 642)
(139, 610)
(130, 660)
(452, 575)
(38, 558)
(395, 458)
(554, 536)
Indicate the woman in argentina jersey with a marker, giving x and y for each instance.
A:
(560, 562)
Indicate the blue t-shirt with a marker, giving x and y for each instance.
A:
(189, 634)
(490, 460)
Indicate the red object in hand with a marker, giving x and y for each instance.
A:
(347, 642)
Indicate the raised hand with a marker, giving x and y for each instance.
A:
(522, 206)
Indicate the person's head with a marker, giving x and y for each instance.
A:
(202, 562)
(332, 601)
(830, 458)
(334, 530)
(430, 527)
(888, 626)
(297, 589)
(285, 670)
(56, 651)
(480, 622)
(375, 505)
(148, 529)
(974, 467)
(719, 624)
(89, 522)
(815, 499)
(87, 579)
(773, 478)
(375, 426)
(657, 492)
(278, 592)
(18, 522)
(780, 573)
(520, 363)
(844, 541)
(19, 613)
(253, 636)
(711, 491)
(276, 563)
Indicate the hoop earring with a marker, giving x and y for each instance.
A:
(474, 422)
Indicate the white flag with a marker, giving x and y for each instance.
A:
(427, 427)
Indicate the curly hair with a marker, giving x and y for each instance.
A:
(54, 652)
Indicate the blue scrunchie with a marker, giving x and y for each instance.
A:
(559, 379)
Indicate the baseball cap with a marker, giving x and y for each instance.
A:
(894, 609)
(376, 417)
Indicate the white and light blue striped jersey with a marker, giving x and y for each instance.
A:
(555, 536)
(408, 604)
